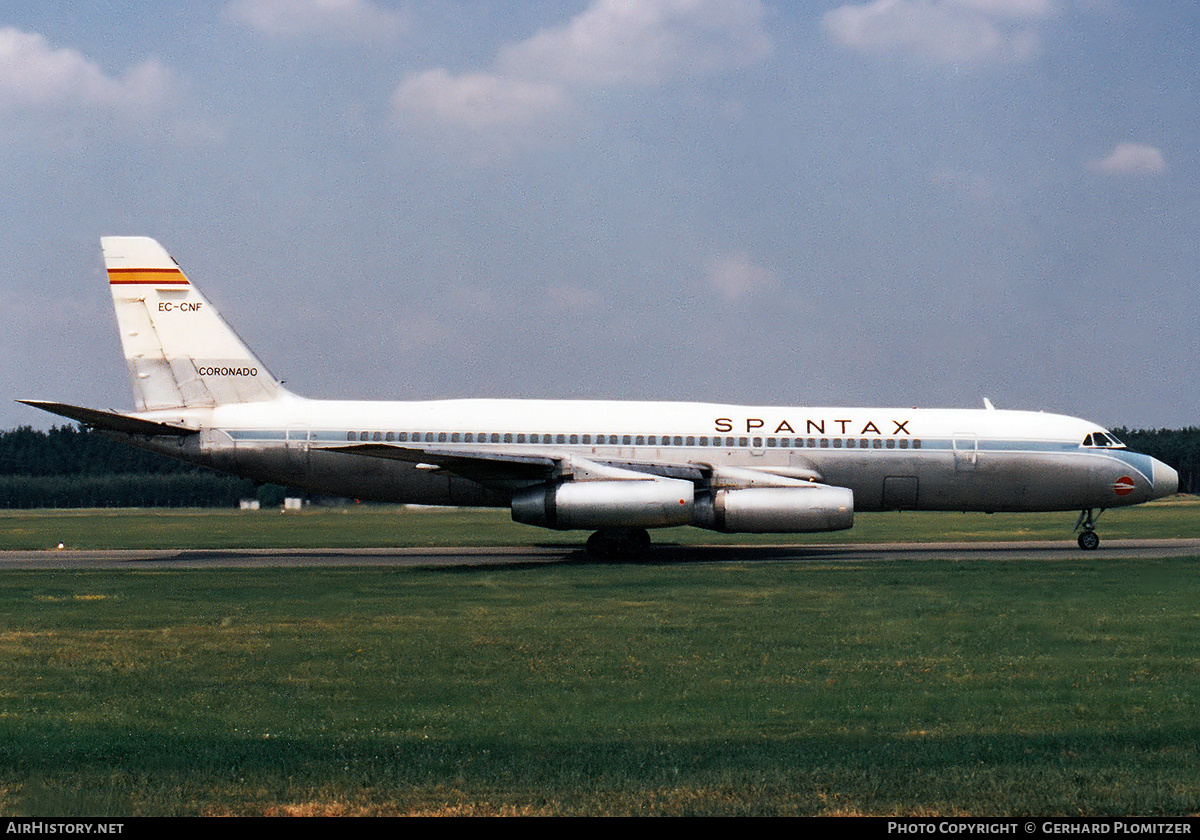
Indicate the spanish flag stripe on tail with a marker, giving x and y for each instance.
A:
(156, 276)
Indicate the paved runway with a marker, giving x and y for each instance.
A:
(533, 555)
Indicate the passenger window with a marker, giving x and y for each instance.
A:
(743, 441)
(454, 438)
(402, 436)
(574, 438)
(640, 440)
(508, 437)
(691, 441)
(561, 439)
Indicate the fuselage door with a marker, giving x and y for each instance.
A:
(966, 452)
(297, 449)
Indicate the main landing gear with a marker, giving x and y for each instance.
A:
(618, 544)
(1089, 540)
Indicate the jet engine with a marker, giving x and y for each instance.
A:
(652, 503)
(776, 510)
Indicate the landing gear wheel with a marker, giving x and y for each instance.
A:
(1089, 540)
(599, 546)
(637, 542)
(618, 544)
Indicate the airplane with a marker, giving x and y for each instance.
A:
(615, 468)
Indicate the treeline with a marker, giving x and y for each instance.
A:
(70, 467)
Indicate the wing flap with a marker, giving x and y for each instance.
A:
(483, 466)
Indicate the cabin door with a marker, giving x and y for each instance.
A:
(297, 451)
(966, 452)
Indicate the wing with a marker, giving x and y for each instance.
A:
(498, 468)
(485, 467)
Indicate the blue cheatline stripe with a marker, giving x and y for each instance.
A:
(1133, 459)
(1143, 464)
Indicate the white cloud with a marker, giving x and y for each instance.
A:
(476, 101)
(612, 42)
(1131, 159)
(620, 42)
(736, 276)
(355, 20)
(36, 76)
(942, 31)
(1013, 8)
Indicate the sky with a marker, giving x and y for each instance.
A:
(887, 203)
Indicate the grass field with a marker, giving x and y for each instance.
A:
(1014, 687)
(369, 526)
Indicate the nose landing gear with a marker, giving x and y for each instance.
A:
(1089, 540)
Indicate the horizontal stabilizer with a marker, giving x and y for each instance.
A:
(110, 420)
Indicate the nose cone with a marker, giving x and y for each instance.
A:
(1165, 479)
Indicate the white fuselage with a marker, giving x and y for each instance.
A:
(919, 459)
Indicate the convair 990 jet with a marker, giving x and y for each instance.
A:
(615, 468)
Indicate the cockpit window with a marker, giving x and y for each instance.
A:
(1103, 440)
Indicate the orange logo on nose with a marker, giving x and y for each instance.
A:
(1123, 486)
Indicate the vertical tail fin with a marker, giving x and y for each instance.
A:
(178, 349)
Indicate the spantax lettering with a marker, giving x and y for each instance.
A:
(812, 427)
